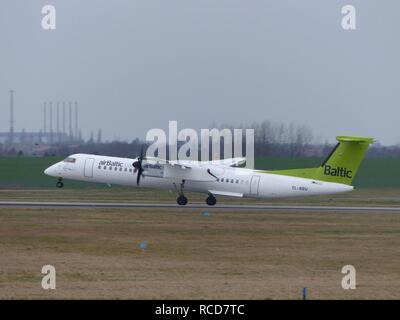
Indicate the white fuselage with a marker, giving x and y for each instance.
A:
(229, 181)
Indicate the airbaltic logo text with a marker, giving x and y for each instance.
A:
(338, 172)
(110, 163)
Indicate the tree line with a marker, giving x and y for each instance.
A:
(270, 140)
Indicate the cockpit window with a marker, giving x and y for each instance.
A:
(70, 160)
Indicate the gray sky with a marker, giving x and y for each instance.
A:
(133, 65)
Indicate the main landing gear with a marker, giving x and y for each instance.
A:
(211, 201)
(59, 183)
(181, 200)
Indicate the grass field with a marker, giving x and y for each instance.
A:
(226, 255)
(27, 172)
(362, 196)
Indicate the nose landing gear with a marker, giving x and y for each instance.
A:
(59, 183)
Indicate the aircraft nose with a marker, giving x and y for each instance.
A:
(50, 171)
(47, 171)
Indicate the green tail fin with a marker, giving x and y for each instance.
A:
(340, 166)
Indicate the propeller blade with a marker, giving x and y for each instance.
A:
(138, 166)
(139, 174)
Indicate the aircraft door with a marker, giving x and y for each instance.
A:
(255, 180)
(88, 171)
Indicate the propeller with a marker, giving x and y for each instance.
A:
(138, 166)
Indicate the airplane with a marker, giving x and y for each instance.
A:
(219, 177)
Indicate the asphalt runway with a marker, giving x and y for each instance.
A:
(127, 205)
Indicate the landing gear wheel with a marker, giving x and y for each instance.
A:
(182, 200)
(211, 201)
(59, 184)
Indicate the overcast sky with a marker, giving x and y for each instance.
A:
(133, 65)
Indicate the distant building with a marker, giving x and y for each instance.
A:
(21, 138)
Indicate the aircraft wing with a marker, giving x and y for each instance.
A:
(191, 170)
(176, 170)
(184, 170)
(180, 164)
(231, 162)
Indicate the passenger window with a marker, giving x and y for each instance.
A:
(120, 169)
(231, 180)
(126, 169)
(237, 181)
(217, 179)
(222, 180)
(116, 169)
(227, 180)
(110, 168)
(130, 170)
(104, 167)
(99, 167)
